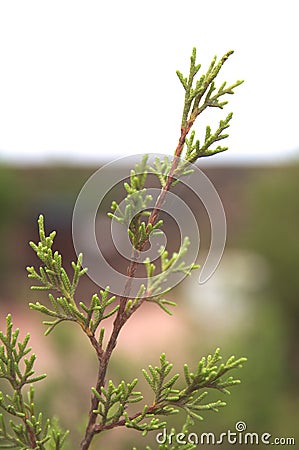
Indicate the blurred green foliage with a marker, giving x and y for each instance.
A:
(273, 232)
(11, 196)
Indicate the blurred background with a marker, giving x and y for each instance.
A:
(249, 306)
(83, 84)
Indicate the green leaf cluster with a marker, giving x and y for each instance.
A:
(114, 400)
(169, 266)
(194, 150)
(53, 276)
(12, 352)
(161, 168)
(154, 291)
(135, 213)
(27, 429)
(169, 395)
(209, 375)
(199, 95)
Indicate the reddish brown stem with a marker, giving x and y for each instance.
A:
(160, 200)
(122, 316)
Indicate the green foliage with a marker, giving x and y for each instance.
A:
(53, 276)
(161, 169)
(27, 430)
(168, 266)
(169, 396)
(194, 150)
(114, 400)
(278, 190)
(199, 95)
(136, 204)
(113, 405)
(169, 399)
(11, 354)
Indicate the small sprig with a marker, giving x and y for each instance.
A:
(135, 211)
(28, 430)
(164, 392)
(194, 150)
(169, 266)
(97, 311)
(114, 400)
(138, 176)
(52, 275)
(134, 203)
(161, 168)
(170, 399)
(89, 319)
(209, 375)
(12, 352)
(199, 95)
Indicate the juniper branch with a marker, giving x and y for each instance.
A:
(193, 97)
(168, 397)
(110, 403)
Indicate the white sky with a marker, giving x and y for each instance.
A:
(80, 81)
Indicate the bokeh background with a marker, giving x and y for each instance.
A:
(83, 83)
(249, 307)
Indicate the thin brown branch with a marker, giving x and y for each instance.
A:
(178, 152)
(122, 317)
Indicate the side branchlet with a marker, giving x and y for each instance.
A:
(169, 266)
(52, 276)
(28, 429)
(201, 94)
(170, 397)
